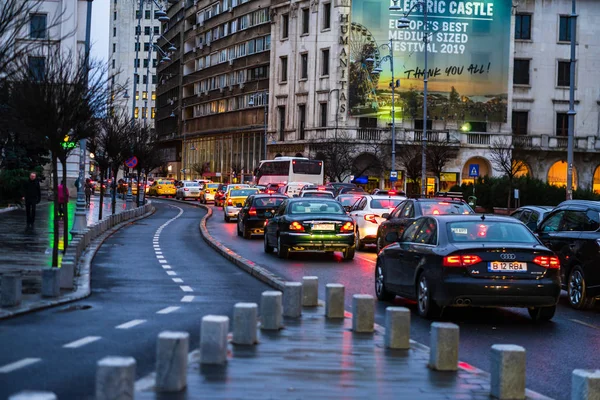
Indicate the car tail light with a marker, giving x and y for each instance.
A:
(549, 262)
(229, 202)
(186, 189)
(347, 227)
(460, 260)
(296, 226)
(252, 212)
(392, 192)
(371, 218)
(160, 187)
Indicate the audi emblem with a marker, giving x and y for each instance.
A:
(508, 256)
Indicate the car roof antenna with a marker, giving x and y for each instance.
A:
(483, 217)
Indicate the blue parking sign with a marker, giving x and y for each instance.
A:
(473, 170)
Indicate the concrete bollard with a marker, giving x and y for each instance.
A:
(213, 339)
(270, 310)
(115, 378)
(171, 361)
(310, 291)
(507, 372)
(334, 305)
(50, 282)
(11, 290)
(585, 384)
(397, 328)
(67, 273)
(245, 316)
(443, 355)
(292, 300)
(363, 313)
(33, 395)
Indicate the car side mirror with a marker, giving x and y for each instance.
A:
(385, 215)
(391, 237)
(239, 205)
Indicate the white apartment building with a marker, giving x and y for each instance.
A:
(310, 66)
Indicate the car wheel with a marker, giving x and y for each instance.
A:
(268, 249)
(577, 290)
(227, 219)
(282, 251)
(541, 314)
(425, 304)
(360, 246)
(380, 290)
(349, 254)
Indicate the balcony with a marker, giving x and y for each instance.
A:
(368, 134)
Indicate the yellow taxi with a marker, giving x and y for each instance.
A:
(162, 187)
(208, 192)
(234, 200)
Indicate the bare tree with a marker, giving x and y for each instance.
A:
(411, 160)
(438, 155)
(145, 148)
(201, 168)
(507, 158)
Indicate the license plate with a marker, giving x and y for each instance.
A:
(323, 227)
(505, 266)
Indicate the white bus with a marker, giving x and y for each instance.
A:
(289, 169)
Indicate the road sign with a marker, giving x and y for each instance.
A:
(393, 176)
(131, 162)
(473, 170)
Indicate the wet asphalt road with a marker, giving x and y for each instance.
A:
(129, 288)
(554, 349)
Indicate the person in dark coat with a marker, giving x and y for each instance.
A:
(33, 195)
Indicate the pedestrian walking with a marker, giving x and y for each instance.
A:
(88, 191)
(63, 198)
(33, 195)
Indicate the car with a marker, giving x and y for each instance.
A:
(310, 224)
(317, 193)
(234, 200)
(469, 260)
(339, 185)
(188, 189)
(293, 188)
(346, 190)
(531, 216)
(162, 188)
(410, 209)
(257, 209)
(367, 214)
(222, 192)
(273, 187)
(349, 199)
(572, 231)
(390, 192)
(208, 192)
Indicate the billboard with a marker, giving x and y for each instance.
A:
(468, 48)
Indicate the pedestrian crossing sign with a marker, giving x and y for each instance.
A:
(473, 170)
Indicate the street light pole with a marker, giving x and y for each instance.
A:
(266, 98)
(571, 113)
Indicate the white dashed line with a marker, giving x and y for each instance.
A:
(168, 310)
(187, 299)
(130, 324)
(160, 257)
(162, 261)
(177, 280)
(158, 252)
(186, 288)
(82, 342)
(166, 266)
(171, 273)
(18, 365)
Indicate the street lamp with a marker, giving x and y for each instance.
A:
(404, 23)
(265, 99)
(393, 84)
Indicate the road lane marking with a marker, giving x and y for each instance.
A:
(367, 259)
(187, 299)
(166, 266)
(186, 288)
(168, 310)
(82, 342)
(177, 280)
(585, 324)
(159, 256)
(171, 273)
(18, 365)
(158, 252)
(130, 324)
(162, 261)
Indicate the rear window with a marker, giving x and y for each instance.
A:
(350, 200)
(489, 231)
(242, 193)
(213, 186)
(444, 208)
(316, 207)
(385, 203)
(165, 183)
(192, 184)
(267, 201)
(322, 195)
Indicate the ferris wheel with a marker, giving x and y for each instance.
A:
(363, 46)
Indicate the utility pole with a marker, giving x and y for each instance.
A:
(571, 113)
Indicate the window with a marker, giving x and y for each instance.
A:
(285, 26)
(477, 126)
(137, 95)
(552, 222)
(563, 76)
(144, 112)
(137, 46)
(281, 112)
(155, 62)
(136, 63)
(146, 63)
(564, 29)
(523, 26)
(113, 63)
(147, 14)
(114, 47)
(153, 112)
(573, 221)
(304, 66)
(144, 95)
(146, 30)
(154, 80)
(136, 113)
(302, 120)
(136, 77)
(324, 62)
(114, 16)
(305, 20)
(138, 30)
(419, 124)
(521, 73)
(157, 30)
(114, 32)
(562, 124)
(519, 122)
(592, 220)
(410, 232)
(284, 68)
(144, 79)
(326, 16)
(153, 96)
(138, 14)
(323, 120)
(427, 233)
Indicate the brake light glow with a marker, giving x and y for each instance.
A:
(296, 226)
(460, 260)
(252, 212)
(443, 203)
(392, 192)
(371, 218)
(160, 187)
(347, 227)
(549, 262)
(321, 188)
(229, 202)
(186, 189)
(436, 212)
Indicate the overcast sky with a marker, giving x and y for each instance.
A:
(100, 28)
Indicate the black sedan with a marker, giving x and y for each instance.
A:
(310, 224)
(254, 213)
(531, 216)
(470, 260)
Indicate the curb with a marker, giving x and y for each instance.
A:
(8, 209)
(82, 281)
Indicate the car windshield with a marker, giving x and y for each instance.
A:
(349, 200)
(213, 186)
(490, 232)
(323, 195)
(192, 184)
(242, 193)
(385, 203)
(316, 207)
(268, 201)
(443, 208)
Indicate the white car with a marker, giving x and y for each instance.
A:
(293, 188)
(188, 189)
(367, 213)
(324, 194)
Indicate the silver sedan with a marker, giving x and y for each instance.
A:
(188, 189)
